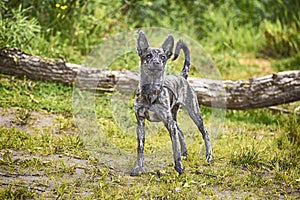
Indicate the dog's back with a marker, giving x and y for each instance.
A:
(177, 84)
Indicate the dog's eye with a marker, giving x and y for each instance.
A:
(163, 57)
(149, 55)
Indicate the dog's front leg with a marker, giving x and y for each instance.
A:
(140, 130)
(174, 134)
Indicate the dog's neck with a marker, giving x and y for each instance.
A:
(151, 83)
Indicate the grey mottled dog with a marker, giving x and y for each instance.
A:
(159, 98)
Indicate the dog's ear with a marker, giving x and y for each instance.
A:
(142, 43)
(168, 46)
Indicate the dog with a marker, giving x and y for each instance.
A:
(159, 97)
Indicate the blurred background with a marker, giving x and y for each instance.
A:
(260, 34)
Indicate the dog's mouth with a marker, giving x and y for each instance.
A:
(155, 68)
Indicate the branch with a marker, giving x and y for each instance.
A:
(266, 91)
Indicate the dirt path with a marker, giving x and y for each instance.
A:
(27, 120)
(45, 175)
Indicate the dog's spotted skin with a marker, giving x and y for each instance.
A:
(159, 98)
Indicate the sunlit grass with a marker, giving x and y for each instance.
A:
(256, 156)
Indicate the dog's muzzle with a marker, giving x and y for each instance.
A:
(156, 68)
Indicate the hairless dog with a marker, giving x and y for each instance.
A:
(160, 96)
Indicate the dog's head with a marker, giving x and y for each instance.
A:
(154, 59)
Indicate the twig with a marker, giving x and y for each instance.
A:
(283, 110)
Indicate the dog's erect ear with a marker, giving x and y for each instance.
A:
(142, 43)
(168, 46)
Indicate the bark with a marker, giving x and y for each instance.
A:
(274, 89)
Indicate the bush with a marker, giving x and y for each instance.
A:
(18, 30)
(71, 29)
(281, 40)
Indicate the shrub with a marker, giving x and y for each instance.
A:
(18, 30)
(281, 40)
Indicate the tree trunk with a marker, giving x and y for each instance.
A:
(275, 89)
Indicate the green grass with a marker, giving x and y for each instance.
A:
(42, 143)
(291, 63)
(19, 193)
(35, 95)
(257, 155)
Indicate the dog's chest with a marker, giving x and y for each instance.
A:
(149, 109)
(152, 107)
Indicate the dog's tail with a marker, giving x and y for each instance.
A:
(186, 67)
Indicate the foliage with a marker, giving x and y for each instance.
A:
(293, 131)
(19, 193)
(73, 28)
(291, 63)
(67, 28)
(281, 40)
(45, 144)
(18, 30)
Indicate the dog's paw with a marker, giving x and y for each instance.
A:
(136, 171)
(179, 169)
(184, 155)
(209, 158)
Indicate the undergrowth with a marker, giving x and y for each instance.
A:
(73, 29)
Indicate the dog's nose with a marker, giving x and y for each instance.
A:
(156, 62)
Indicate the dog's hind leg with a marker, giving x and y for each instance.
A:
(140, 130)
(196, 116)
(174, 111)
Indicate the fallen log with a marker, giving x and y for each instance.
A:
(271, 90)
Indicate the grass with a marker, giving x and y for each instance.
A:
(35, 95)
(41, 143)
(20, 193)
(257, 156)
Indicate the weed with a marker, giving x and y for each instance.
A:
(257, 155)
(16, 193)
(43, 143)
(18, 30)
(22, 116)
(291, 63)
(62, 190)
(64, 123)
(292, 128)
(249, 155)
